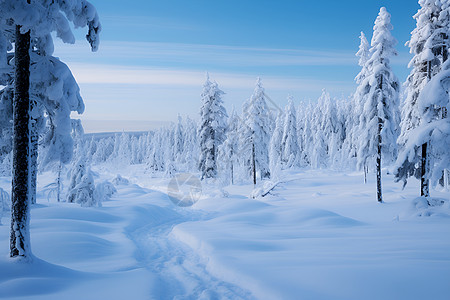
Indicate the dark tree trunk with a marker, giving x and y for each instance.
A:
(379, 194)
(254, 163)
(19, 240)
(58, 183)
(424, 182)
(365, 173)
(232, 167)
(378, 162)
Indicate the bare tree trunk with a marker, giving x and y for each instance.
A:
(424, 182)
(232, 172)
(365, 173)
(254, 163)
(379, 194)
(20, 233)
(58, 183)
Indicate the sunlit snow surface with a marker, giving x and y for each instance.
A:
(318, 235)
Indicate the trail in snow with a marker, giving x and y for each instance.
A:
(180, 272)
(123, 250)
(317, 235)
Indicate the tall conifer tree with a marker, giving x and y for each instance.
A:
(377, 132)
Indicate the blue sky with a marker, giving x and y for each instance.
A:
(154, 54)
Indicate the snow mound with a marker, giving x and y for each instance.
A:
(38, 277)
(71, 212)
(428, 207)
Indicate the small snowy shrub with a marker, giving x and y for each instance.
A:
(119, 180)
(83, 192)
(82, 187)
(104, 191)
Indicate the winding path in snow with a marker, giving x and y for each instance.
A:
(179, 271)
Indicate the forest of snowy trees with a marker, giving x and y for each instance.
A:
(384, 124)
(355, 133)
(367, 131)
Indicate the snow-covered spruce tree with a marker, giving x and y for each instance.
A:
(319, 147)
(289, 140)
(331, 128)
(81, 186)
(434, 129)
(377, 131)
(364, 55)
(308, 137)
(228, 151)
(170, 167)
(179, 141)
(276, 146)
(212, 127)
(301, 111)
(357, 101)
(103, 150)
(338, 154)
(190, 147)
(429, 43)
(155, 160)
(33, 22)
(255, 135)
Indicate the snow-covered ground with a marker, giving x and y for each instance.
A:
(317, 235)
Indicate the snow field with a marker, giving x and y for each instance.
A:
(317, 235)
(118, 251)
(338, 243)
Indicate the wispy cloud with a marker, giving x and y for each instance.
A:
(155, 81)
(173, 53)
(113, 74)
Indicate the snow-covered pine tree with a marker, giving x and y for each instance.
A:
(332, 129)
(434, 129)
(308, 136)
(212, 128)
(81, 186)
(429, 43)
(170, 166)
(301, 111)
(364, 55)
(256, 134)
(357, 101)
(289, 140)
(276, 146)
(228, 151)
(179, 141)
(33, 23)
(154, 160)
(190, 147)
(377, 129)
(319, 148)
